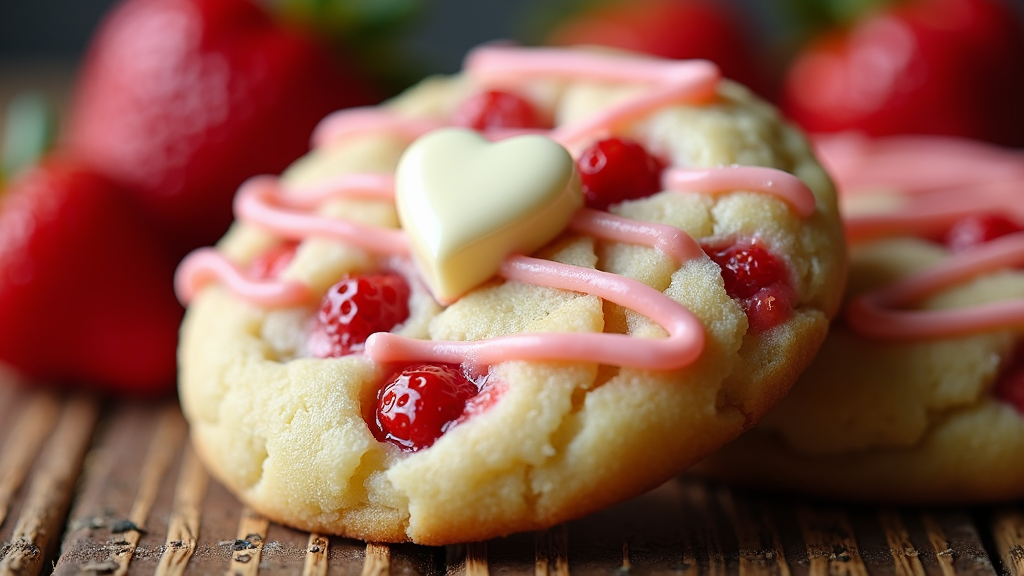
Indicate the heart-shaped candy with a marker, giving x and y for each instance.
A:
(467, 203)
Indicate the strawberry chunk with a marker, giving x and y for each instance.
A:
(496, 109)
(617, 169)
(1010, 388)
(86, 292)
(273, 261)
(979, 229)
(355, 308)
(420, 403)
(758, 279)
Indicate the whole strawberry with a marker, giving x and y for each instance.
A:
(85, 287)
(948, 67)
(182, 100)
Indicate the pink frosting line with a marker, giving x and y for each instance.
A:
(871, 313)
(363, 186)
(928, 213)
(913, 164)
(939, 181)
(491, 64)
(682, 347)
(672, 81)
(781, 184)
(259, 200)
(369, 120)
(206, 265)
(606, 121)
(675, 243)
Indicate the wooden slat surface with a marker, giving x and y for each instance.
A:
(141, 503)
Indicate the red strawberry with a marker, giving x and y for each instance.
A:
(949, 67)
(421, 403)
(755, 277)
(618, 169)
(85, 290)
(1010, 387)
(355, 308)
(497, 109)
(273, 261)
(973, 231)
(182, 100)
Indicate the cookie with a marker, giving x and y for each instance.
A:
(918, 392)
(495, 302)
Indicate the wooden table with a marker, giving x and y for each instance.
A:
(108, 487)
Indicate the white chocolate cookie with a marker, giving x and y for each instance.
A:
(917, 396)
(599, 366)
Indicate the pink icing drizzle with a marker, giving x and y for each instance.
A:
(673, 81)
(872, 314)
(683, 345)
(938, 181)
(783, 185)
(367, 186)
(353, 122)
(206, 265)
(675, 243)
(261, 201)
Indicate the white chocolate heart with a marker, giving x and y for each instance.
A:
(467, 203)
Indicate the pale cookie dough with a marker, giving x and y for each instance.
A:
(288, 433)
(908, 421)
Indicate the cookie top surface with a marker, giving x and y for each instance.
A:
(609, 358)
(916, 395)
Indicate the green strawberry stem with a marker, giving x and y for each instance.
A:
(537, 24)
(367, 30)
(814, 15)
(29, 128)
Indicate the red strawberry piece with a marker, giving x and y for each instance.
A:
(1009, 387)
(671, 29)
(496, 109)
(948, 67)
(85, 289)
(758, 279)
(421, 403)
(273, 261)
(617, 169)
(975, 230)
(353, 309)
(182, 100)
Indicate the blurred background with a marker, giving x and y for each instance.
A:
(438, 35)
(42, 41)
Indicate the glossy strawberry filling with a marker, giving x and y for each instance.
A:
(618, 169)
(758, 279)
(978, 229)
(494, 109)
(1010, 386)
(273, 261)
(419, 404)
(354, 308)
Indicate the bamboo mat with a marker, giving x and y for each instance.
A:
(93, 487)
